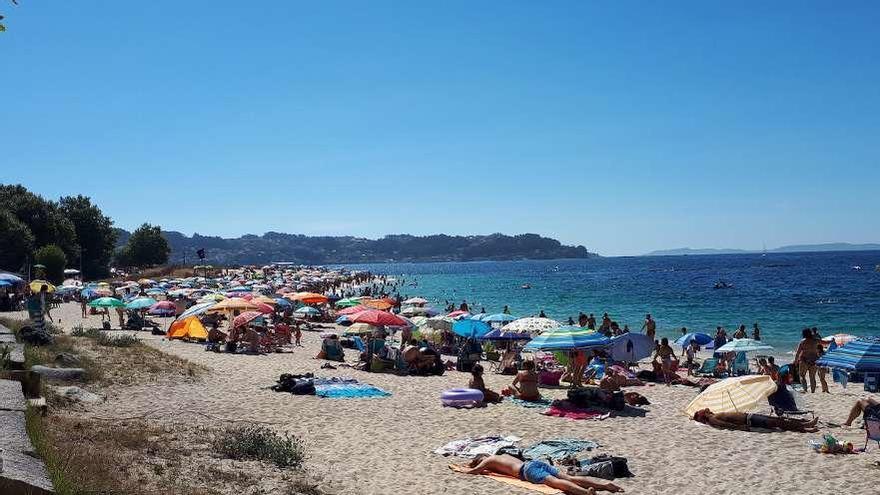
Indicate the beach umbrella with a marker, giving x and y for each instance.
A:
(352, 310)
(71, 271)
(103, 291)
(458, 314)
(5, 283)
(499, 334)
(212, 297)
(15, 279)
(265, 300)
(442, 323)
(310, 298)
(861, 355)
(378, 318)
(64, 288)
(107, 302)
(245, 318)
(744, 345)
(307, 310)
(499, 317)
(840, 339)
(284, 303)
(359, 329)
(567, 338)
(140, 303)
(196, 309)
(534, 326)
(88, 292)
(416, 301)
(419, 320)
(738, 394)
(631, 347)
(700, 338)
(471, 328)
(263, 308)
(163, 308)
(233, 304)
(382, 304)
(153, 292)
(418, 311)
(37, 285)
(347, 302)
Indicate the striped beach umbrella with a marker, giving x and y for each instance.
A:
(744, 345)
(861, 355)
(245, 318)
(738, 394)
(567, 338)
(196, 309)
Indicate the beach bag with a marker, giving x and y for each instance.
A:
(620, 469)
(618, 401)
(604, 470)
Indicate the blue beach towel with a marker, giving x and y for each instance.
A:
(558, 448)
(349, 391)
(530, 404)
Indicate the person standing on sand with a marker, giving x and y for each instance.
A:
(649, 326)
(83, 305)
(666, 354)
(805, 356)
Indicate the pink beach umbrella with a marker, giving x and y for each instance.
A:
(378, 318)
(245, 318)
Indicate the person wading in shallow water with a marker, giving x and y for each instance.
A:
(649, 326)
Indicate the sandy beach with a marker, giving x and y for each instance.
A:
(384, 445)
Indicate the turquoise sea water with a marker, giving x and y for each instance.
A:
(782, 292)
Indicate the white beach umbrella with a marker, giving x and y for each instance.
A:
(534, 326)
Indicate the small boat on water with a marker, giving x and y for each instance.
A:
(721, 284)
(525, 286)
(857, 267)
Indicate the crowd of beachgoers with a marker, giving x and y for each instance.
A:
(490, 381)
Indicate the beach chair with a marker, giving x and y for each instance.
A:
(707, 368)
(741, 365)
(872, 431)
(506, 362)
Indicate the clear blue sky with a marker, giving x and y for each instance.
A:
(623, 126)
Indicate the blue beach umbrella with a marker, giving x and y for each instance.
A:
(499, 334)
(479, 316)
(471, 328)
(5, 283)
(14, 279)
(140, 303)
(567, 338)
(284, 303)
(686, 339)
(88, 292)
(861, 355)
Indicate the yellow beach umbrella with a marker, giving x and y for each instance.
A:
(738, 394)
(37, 284)
(233, 304)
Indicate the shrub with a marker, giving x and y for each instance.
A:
(79, 331)
(116, 341)
(257, 442)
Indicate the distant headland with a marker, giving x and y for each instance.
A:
(795, 248)
(318, 250)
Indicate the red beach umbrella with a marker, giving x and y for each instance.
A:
(263, 307)
(245, 318)
(352, 310)
(378, 318)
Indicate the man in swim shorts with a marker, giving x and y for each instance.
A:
(745, 422)
(538, 472)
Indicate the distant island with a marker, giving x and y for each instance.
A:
(322, 250)
(795, 248)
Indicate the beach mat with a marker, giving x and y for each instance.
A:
(531, 404)
(349, 391)
(512, 481)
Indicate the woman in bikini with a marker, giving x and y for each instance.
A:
(666, 355)
(525, 384)
(477, 383)
(806, 355)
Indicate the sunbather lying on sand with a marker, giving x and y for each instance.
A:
(745, 422)
(538, 472)
(859, 407)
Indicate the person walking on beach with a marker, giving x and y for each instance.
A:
(805, 356)
(756, 332)
(649, 326)
(666, 354)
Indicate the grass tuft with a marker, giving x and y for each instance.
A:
(258, 442)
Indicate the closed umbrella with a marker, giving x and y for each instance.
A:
(744, 345)
(861, 355)
(534, 326)
(738, 394)
(567, 338)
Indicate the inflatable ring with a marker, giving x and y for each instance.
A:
(461, 397)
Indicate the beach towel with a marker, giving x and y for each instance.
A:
(531, 404)
(469, 448)
(348, 390)
(513, 481)
(564, 409)
(558, 448)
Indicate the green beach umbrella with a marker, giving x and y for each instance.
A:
(140, 303)
(348, 302)
(107, 302)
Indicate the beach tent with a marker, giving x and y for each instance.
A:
(631, 347)
(567, 338)
(188, 328)
(739, 394)
(861, 355)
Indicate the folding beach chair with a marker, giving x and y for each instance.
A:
(741, 365)
(707, 368)
(872, 431)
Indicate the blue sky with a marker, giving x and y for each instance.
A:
(622, 126)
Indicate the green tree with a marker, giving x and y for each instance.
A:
(94, 234)
(16, 242)
(53, 258)
(146, 247)
(44, 219)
